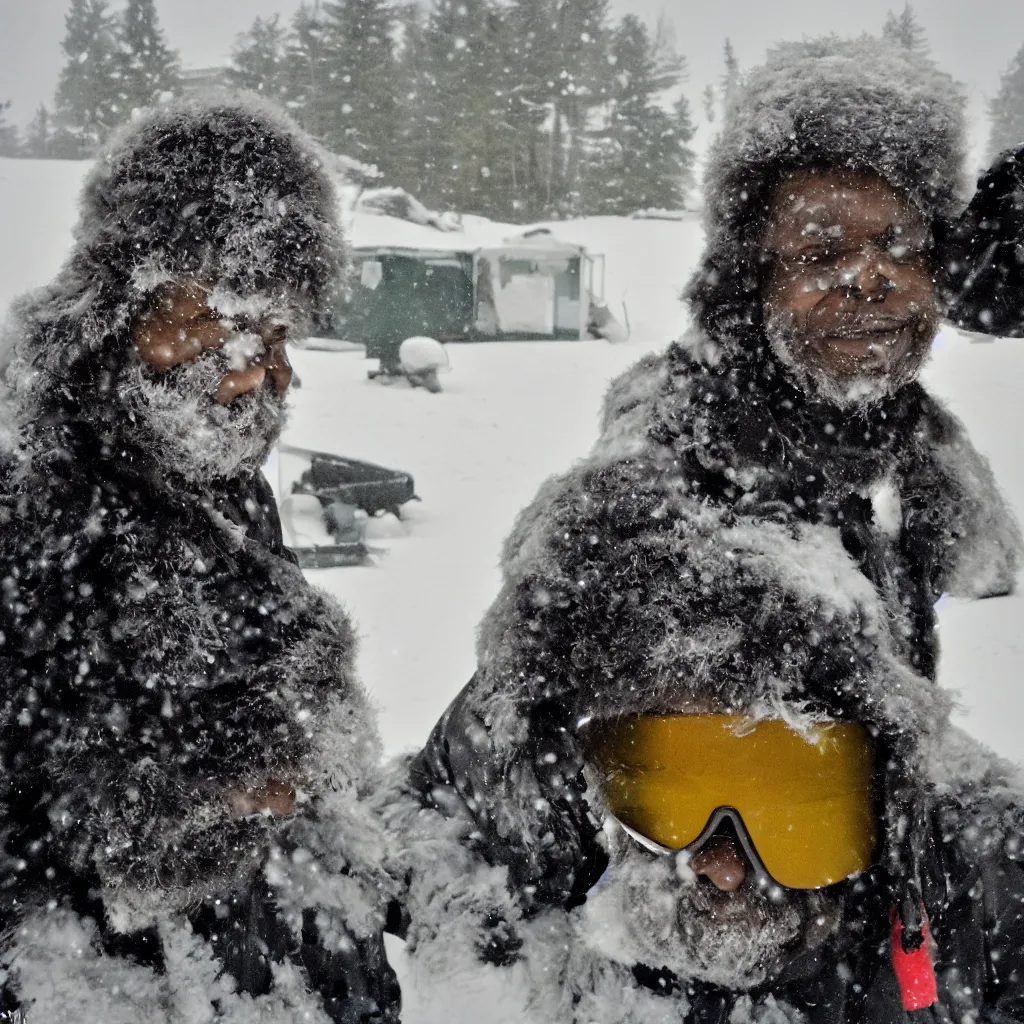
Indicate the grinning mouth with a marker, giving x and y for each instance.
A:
(861, 342)
(876, 329)
(869, 346)
(875, 342)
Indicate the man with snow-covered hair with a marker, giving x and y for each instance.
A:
(184, 740)
(704, 772)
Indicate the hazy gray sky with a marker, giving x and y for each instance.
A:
(974, 39)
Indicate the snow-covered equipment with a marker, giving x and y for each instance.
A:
(420, 361)
(396, 202)
(325, 501)
(409, 281)
(604, 325)
(655, 213)
(532, 286)
(981, 254)
(422, 355)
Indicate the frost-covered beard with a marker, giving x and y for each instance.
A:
(191, 433)
(877, 382)
(653, 910)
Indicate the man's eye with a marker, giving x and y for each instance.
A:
(811, 257)
(903, 252)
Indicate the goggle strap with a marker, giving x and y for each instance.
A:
(912, 919)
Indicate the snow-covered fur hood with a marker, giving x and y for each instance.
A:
(223, 191)
(726, 539)
(702, 550)
(831, 103)
(730, 535)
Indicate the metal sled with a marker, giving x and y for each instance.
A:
(320, 497)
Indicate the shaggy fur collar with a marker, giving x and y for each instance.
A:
(728, 538)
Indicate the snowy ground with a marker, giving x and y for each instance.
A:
(512, 414)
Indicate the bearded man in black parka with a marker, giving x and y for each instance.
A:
(618, 819)
(184, 740)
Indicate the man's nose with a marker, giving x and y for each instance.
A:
(721, 862)
(272, 364)
(867, 276)
(275, 360)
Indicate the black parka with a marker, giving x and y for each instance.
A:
(161, 649)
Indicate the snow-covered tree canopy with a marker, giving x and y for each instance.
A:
(1007, 109)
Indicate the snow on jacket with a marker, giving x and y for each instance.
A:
(731, 537)
(160, 647)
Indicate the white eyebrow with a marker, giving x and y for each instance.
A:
(811, 229)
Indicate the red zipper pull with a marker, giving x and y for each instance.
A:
(915, 972)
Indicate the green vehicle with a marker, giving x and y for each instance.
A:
(530, 287)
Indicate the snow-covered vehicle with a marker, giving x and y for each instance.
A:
(411, 280)
(326, 500)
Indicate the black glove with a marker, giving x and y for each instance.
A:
(531, 816)
(980, 274)
(247, 933)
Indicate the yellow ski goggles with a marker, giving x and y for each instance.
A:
(805, 801)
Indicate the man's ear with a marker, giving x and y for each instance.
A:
(980, 275)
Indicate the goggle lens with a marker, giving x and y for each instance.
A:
(805, 800)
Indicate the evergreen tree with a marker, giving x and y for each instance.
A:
(8, 133)
(640, 157)
(582, 85)
(461, 106)
(685, 129)
(146, 64)
(1007, 109)
(39, 135)
(707, 99)
(412, 78)
(555, 75)
(259, 60)
(486, 106)
(532, 68)
(87, 91)
(906, 30)
(361, 84)
(306, 70)
(494, 103)
(731, 75)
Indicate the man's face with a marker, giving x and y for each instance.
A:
(180, 326)
(707, 912)
(658, 910)
(207, 389)
(850, 303)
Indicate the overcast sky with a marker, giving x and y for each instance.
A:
(973, 39)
